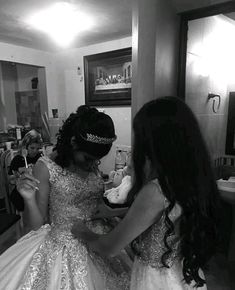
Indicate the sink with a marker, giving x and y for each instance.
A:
(227, 189)
(227, 192)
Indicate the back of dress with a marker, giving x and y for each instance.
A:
(71, 197)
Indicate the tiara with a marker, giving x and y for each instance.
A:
(99, 140)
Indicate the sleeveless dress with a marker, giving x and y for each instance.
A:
(148, 272)
(51, 258)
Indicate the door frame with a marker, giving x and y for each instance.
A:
(186, 16)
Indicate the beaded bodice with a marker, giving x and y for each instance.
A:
(149, 246)
(71, 197)
(60, 257)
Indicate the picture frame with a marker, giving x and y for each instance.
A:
(108, 78)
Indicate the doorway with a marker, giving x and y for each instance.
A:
(205, 81)
(23, 95)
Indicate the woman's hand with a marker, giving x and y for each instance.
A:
(27, 185)
(81, 231)
(16, 175)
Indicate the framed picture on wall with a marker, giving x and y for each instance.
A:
(108, 78)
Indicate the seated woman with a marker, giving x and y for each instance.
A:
(32, 141)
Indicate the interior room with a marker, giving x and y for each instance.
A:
(45, 75)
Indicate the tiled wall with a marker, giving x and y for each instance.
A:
(206, 71)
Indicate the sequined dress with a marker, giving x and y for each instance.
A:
(51, 258)
(147, 272)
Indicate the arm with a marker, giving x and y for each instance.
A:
(145, 210)
(104, 211)
(117, 212)
(36, 201)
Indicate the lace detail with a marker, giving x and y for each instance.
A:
(74, 263)
(60, 254)
(71, 197)
(34, 233)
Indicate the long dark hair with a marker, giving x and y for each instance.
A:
(86, 120)
(167, 133)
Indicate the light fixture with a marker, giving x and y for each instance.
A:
(62, 21)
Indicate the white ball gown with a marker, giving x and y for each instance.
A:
(51, 258)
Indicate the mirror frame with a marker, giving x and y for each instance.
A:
(185, 17)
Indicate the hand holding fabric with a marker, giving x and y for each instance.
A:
(81, 231)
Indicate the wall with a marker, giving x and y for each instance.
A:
(155, 29)
(167, 46)
(71, 93)
(209, 63)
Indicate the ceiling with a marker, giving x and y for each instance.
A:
(112, 18)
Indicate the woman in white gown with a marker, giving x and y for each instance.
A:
(49, 257)
(172, 220)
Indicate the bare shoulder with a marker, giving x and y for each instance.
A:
(150, 197)
(152, 191)
(40, 169)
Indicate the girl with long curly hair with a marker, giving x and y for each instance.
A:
(172, 220)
